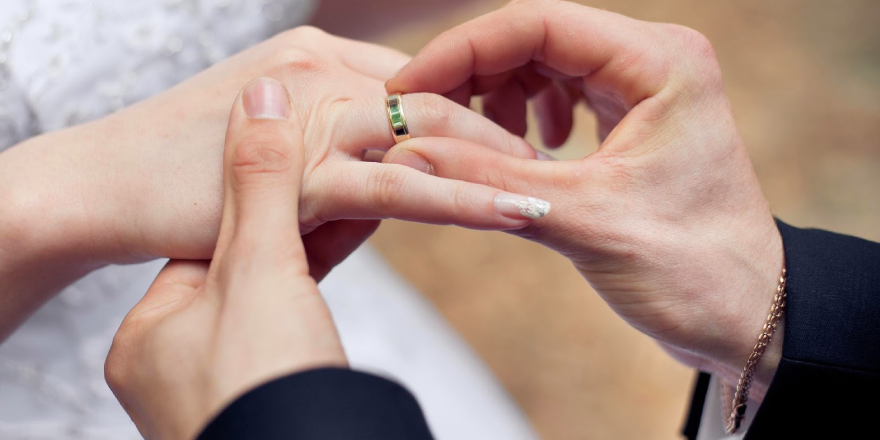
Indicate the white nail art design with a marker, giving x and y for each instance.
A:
(533, 208)
(521, 207)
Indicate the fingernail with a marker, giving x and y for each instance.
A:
(266, 98)
(388, 83)
(519, 207)
(413, 160)
(543, 156)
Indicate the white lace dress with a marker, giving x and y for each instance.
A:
(63, 62)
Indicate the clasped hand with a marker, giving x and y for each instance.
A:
(146, 182)
(666, 220)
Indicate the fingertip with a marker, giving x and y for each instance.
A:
(266, 98)
(396, 83)
(390, 85)
(410, 159)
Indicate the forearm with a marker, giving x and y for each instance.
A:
(47, 238)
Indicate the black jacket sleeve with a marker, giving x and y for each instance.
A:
(323, 404)
(828, 381)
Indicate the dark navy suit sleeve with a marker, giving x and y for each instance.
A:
(323, 404)
(828, 381)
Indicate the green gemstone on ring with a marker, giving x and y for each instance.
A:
(397, 118)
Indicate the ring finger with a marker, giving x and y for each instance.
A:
(427, 115)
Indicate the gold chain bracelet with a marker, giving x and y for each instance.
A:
(734, 407)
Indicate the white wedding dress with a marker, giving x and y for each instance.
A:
(63, 62)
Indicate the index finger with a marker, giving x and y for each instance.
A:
(570, 39)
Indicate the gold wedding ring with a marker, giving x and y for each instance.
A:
(394, 104)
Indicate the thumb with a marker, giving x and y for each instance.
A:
(262, 171)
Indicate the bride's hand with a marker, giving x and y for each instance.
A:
(145, 182)
(666, 220)
(204, 334)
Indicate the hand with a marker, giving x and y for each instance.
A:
(254, 313)
(666, 220)
(145, 182)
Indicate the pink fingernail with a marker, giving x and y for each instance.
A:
(266, 98)
(413, 160)
(520, 207)
(543, 156)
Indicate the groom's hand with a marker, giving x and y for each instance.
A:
(207, 332)
(667, 220)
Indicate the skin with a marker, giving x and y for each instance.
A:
(251, 314)
(666, 221)
(146, 182)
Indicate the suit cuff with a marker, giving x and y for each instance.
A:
(325, 404)
(830, 355)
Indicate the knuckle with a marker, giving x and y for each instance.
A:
(386, 188)
(116, 365)
(698, 69)
(298, 60)
(517, 146)
(309, 32)
(497, 179)
(693, 40)
(697, 46)
(303, 34)
(259, 155)
(435, 111)
(462, 201)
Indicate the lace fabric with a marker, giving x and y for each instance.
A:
(64, 62)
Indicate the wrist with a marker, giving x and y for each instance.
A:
(756, 298)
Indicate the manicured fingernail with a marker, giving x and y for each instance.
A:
(544, 156)
(520, 207)
(413, 160)
(266, 98)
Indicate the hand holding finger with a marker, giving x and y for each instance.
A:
(263, 167)
(255, 313)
